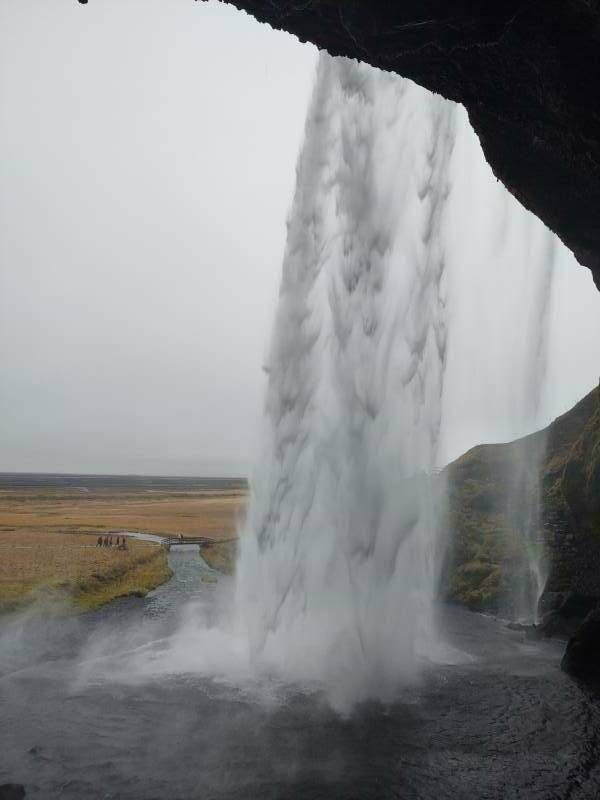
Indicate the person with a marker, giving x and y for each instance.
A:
(181, 537)
(106, 541)
(99, 542)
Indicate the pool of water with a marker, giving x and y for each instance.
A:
(73, 724)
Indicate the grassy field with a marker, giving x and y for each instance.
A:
(54, 570)
(221, 555)
(211, 514)
(48, 536)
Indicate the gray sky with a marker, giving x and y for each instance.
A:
(147, 167)
(148, 152)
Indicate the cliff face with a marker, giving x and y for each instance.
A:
(486, 558)
(528, 72)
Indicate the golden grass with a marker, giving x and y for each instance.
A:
(48, 540)
(42, 567)
(211, 514)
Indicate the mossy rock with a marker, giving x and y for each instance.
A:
(487, 556)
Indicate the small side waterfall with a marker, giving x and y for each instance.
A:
(524, 500)
(412, 323)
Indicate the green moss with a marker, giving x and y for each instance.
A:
(487, 556)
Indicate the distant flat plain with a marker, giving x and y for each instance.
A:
(164, 506)
(49, 525)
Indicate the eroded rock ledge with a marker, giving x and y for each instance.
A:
(528, 73)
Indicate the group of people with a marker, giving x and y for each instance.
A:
(107, 541)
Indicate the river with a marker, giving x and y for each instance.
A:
(504, 724)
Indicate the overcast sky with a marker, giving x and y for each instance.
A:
(147, 167)
(148, 153)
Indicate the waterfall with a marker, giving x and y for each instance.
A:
(336, 577)
(412, 323)
(524, 501)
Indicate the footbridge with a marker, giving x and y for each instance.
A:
(175, 541)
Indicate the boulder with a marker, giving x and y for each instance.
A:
(564, 621)
(582, 656)
(12, 791)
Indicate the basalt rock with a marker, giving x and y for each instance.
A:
(528, 72)
(563, 622)
(582, 656)
(12, 791)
